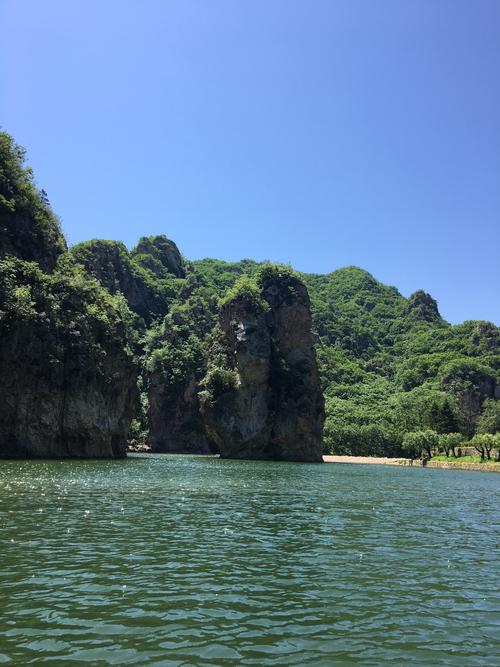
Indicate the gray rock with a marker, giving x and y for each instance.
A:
(274, 408)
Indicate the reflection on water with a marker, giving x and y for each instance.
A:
(170, 560)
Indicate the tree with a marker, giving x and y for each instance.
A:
(417, 443)
(470, 382)
(489, 421)
(450, 441)
(443, 418)
(411, 445)
(497, 446)
(484, 443)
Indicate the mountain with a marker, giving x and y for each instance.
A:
(78, 326)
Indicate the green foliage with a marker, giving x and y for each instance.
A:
(159, 255)
(484, 443)
(147, 293)
(135, 327)
(443, 416)
(364, 440)
(420, 443)
(65, 307)
(489, 421)
(176, 363)
(449, 442)
(28, 227)
(278, 277)
(421, 306)
(247, 292)
(389, 366)
(217, 382)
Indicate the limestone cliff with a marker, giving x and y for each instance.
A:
(68, 381)
(262, 396)
(147, 289)
(175, 422)
(159, 255)
(174, 369)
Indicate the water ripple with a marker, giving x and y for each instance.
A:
(169, 560)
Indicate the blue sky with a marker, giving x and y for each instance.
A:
(321, 133)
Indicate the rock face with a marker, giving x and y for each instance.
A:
(68, 382)
(175, 422)
(119, 271)
(471, 383)
(174, 370)
(267, 402)
(160, 255)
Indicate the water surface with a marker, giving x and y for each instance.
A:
(170, 560)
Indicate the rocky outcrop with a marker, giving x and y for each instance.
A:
(174, 368)
(68, 381)
(422, 307)
(262, 397)
(159, 255)
(114, 267)
(175, 423)
(471, 383)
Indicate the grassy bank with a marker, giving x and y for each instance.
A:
(463, 463)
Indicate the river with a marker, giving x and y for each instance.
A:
(172, 560)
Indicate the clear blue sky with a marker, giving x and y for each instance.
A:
(321, 133)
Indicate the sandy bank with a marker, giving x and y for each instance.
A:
(365, 459)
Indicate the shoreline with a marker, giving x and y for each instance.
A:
(371, 460)
(453, 464)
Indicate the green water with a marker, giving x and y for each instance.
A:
(170, 560)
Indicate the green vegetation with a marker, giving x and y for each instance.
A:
(247, 291)
(465, 462)
(149, 289)
(389, 365)
(65, 306)
(29, 228)
(420, 443)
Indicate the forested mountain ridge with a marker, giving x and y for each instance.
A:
(388, 365)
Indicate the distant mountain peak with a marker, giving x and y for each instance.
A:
(422, 307)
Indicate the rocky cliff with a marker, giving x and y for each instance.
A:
(68, 384)
(147, 284)
(175, 423)
(174, 370)
(262, 397)
(422, 307)
(159, 255)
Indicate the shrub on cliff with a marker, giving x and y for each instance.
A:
(248, 292)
